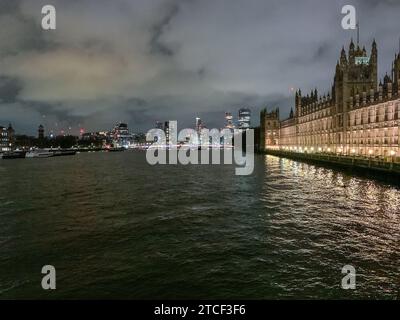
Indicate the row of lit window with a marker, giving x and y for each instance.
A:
(325, 113)
(329, 150)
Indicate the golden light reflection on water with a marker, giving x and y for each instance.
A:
(340, 217)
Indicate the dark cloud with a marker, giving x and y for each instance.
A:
(156, 60)
(9, 89)
(156, 44)
(9, 7)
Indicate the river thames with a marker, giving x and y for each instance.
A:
(115, 227)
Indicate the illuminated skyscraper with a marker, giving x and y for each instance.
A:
(166, 130)
(244, 118)
(199, 125)
(229, 121)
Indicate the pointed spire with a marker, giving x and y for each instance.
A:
(351, 44)
(358, 33)
(374, 47)
(343, 58)
(399, 46)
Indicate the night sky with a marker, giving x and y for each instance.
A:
(147, 60)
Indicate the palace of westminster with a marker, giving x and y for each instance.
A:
(359, 117)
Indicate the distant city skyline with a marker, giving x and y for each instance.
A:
(140, 61)
(240, 121)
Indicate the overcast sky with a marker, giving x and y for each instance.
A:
(140, 61)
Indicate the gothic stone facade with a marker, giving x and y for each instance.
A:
(359, 116)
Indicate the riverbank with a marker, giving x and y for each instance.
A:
(388, 171)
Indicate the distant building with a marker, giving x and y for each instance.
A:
(11, 135)
(199, 125)
(6, 138)
(229, 121)
(269, 129)
(244, 118)
(121, 136)
(41, 132)
(166, 131)
(159, 125)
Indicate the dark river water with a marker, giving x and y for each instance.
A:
(115, 227)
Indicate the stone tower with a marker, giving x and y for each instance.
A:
(269, 129)
(355, 74)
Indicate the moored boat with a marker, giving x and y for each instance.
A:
(39, 154)
(13, 155)
(62, 153)
(115, 149)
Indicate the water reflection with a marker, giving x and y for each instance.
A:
(116, 227)
(334, 219)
